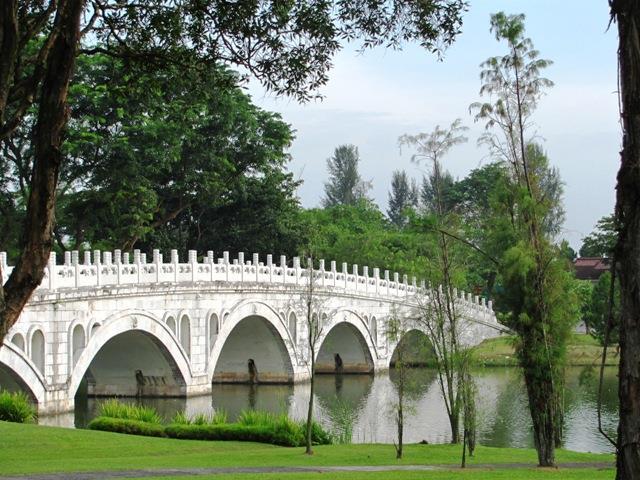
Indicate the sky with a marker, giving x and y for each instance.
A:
(373, 98)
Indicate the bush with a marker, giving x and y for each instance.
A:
(256, 417)
(16, 407)
(115, 409)
(123, 425)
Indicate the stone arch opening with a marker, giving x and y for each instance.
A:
(344, 350)
(253, 352)
(214, 329)
(17, 373)
(133, 363)
(293, 327)
(18, 341)
(185, 334)
(416, 348)
(94, 328)
(78, 342)
(37, 350)
(12, 382)
(171, 323)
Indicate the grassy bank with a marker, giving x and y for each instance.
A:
(29, 449)
(582, 350)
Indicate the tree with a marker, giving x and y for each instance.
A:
(597, 315)
(288, 47)
(403, 195)
(536, 296)
(396, 330)
(448, 192)
(440, 313)
(602, 240)
(312, 305)
(627, 250)
(345, 186)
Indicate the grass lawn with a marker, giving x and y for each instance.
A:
(28, 449)
(582, 350)
(521, 474)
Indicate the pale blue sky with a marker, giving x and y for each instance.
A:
(372, 99)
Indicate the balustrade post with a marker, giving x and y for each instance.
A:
(345, 273)
(270, 266)
(67, 258)
(387, 280)
(117, 254)
(157, 263)
(211, 261)
(51, 265)
(376, 278)
(241, 263)
(334, 272)
(396, 281)
(225, 261)
(283, 266)
(193, 263)
(354, 269)
(296, 268)
(256, 265)
(174, 261)
(97, 262)
(321, 269)
(75, 261)
(137, 261)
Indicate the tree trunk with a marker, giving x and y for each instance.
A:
(9, 36)
(309, 446)
(47, 140)
(627, 15)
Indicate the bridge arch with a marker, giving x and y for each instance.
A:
(155, 341)
(252, 329)
(418, 349)
(346, 334)
(22, 371)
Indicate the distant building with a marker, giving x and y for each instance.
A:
(590, 268)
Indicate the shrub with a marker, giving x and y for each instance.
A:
(181, 418)
(115, 409)
(124, 425)
(256, 417)
(219, 417)
(16, 407)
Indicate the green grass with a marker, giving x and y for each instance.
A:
(28, 449)
(520, 474)
(582, 350)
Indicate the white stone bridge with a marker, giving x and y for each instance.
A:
(119, 325)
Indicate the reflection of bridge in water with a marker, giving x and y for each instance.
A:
(127, 326)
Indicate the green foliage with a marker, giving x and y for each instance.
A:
(128, 426)
(251, 426)
(403, 195)
(597, 311)
(345, 186)
(181, 418)
(16, 407)
(116, 409)
(602, 240)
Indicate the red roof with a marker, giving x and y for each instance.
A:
(590, 268)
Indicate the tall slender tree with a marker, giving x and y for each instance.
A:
(403, 195)
(536, 293)
(345, 186)
(440, 313)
